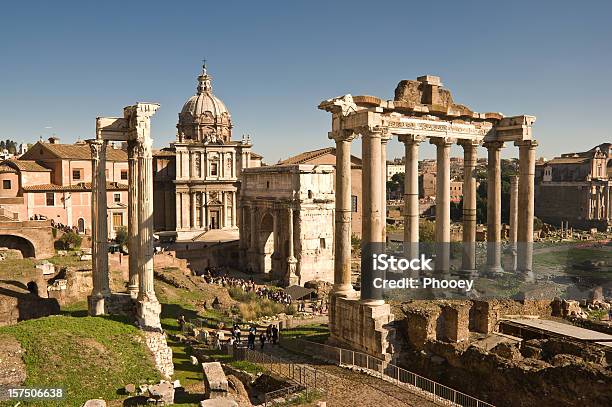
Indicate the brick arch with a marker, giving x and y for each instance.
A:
(32, 238)
(13, 241)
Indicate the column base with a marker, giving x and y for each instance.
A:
(133, 291)
(292, 278)
(344, 290)
(147, 314)
(372, 302)
(96, 304)
(494, 269)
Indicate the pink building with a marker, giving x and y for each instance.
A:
(53, 180)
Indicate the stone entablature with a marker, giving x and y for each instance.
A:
(287, 218)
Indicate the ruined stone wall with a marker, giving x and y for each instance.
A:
(315, 243)
(21, 307)
(362, 327)
(158, 345)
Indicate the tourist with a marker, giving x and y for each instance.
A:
(181, 321)
(237, 332)
(251, 341)
(269, 332)
(217, 342)
(274, 334)
(262, 339)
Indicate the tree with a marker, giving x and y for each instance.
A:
(70, 240)
(395, 187)
(427, 231)
(121, 236)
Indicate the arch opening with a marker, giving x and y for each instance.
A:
(18, 243)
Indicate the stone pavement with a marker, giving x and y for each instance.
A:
(346, 387)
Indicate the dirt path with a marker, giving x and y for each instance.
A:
(347, 388)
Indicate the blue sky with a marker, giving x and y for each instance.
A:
(64, 63)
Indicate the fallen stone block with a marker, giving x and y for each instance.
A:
(215, 381)
(162, 393)
(225, 402)
(95, 403)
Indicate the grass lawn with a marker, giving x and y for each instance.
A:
(87, 357)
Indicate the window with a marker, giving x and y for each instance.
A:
(76, 175)
(50, 199)
(117, 197)
(124, 175)
(214, 168)
(117, 220)
(6, 184)
(353, 203)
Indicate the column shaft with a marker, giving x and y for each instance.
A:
(133, 243)
(342, 235)
(145, 217)
(442, 203)
(383, 195)
(411, 195)
(494, 206)
(470, 155)
(291, 278)
(526, 204)
(371, 215)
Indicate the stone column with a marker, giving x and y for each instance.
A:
(179, 210)
(101, 287)
(494, 206)
(253, 250)
(470, 158)
(514, 218)
(192, 210)
(133, 198)
(411, 194)
(371, 215)
(443, 145)
(224, 197)
(525, 204)
(148, 305)
(234, 204)
(291, 260)
(608, 201)
(383, 196)
(342, 233)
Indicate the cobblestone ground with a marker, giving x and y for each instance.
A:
(348, 388)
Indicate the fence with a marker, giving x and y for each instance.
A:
(303, 377)
(391, 373)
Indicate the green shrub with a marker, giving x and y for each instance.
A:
(70, 240)
(121, 236)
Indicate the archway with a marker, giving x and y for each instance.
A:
(266, 242)
(81, 225)
(19, 243)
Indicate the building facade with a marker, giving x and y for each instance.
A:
(207, 164)
(576, 188)
(327, 156)
(288, 218)
(53, 181)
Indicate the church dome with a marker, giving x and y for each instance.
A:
(204, 117)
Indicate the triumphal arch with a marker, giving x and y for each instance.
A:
(133, 128)
(421, 111)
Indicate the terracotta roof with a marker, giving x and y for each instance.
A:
(164, 153)
(80, 187)
(303, 158)
(6, 168)
(80, 151)
(568, 160)
(25, 165)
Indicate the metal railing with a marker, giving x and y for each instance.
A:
(391, 373)
(304, 378)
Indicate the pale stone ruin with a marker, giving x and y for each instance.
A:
(133, 128)
(421, 110)
(287, 218)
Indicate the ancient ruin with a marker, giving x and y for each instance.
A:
(421, 110)
(287, 213)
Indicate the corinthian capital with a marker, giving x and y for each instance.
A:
(530, 144)
(342, 135)
(411, 138)
(442, 141)
(493, 145)
(98, 148)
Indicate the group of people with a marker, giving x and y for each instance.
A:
(274, 295)
(270, 335)
(214, 276)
